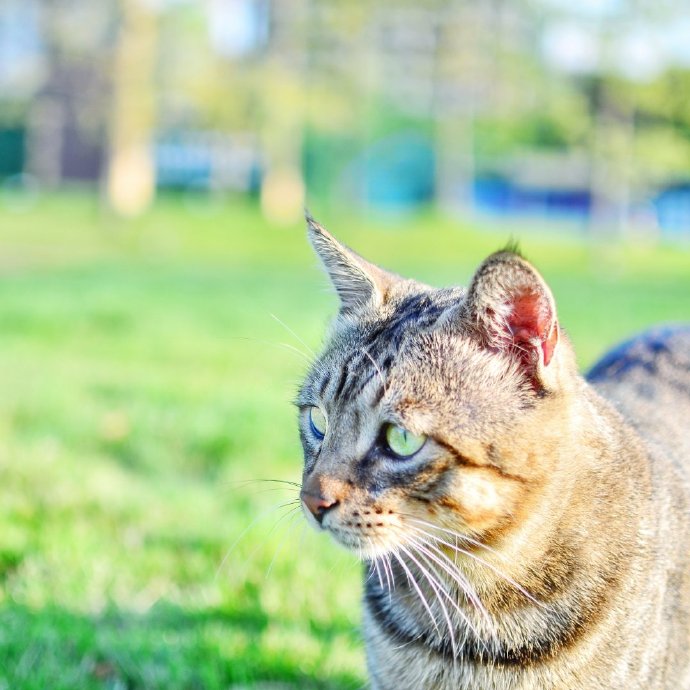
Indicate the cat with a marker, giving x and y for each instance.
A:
(523, 528)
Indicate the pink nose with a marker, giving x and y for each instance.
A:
(317, 505)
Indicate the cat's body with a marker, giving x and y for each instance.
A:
(527, 533)
(634, 509)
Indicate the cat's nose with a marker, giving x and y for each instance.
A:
(317, 504)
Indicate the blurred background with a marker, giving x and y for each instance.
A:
(539, 108)
(159, 303)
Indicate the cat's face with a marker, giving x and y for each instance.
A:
(414, 416)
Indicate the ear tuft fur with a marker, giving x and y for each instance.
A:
(513, 247)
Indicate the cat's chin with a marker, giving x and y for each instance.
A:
(365, 548)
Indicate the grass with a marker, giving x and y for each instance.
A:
(144, 385)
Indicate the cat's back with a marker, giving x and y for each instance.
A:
(647, 379)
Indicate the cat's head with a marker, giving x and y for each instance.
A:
(431, 408)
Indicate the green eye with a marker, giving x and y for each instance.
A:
(317, 422)
(403, 442)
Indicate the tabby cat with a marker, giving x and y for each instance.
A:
(522, 527)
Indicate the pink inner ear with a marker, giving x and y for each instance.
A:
(530, 320)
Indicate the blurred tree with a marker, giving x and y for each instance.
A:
(65, 132)
(282, 102)
(131, 180)
(635, 140)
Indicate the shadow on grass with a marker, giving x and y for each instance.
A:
(167, 648)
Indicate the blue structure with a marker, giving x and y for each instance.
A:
(498, 195)
(399, 171)
(672, 206)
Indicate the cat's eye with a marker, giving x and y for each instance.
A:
(317, 422)
(403, 442)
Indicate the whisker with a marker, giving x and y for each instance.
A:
(378, 369)
(243, 482)
(375, 564)
(287, 346)
(386, 567)
(450, 566)
(468, 590)
(437, 588)
(263, 515)
(457, 577)
(289, 330)
(416, 587)
(426, 550)
(423, 555)
(290, 524)
(280, 485)
(458, 535)
(486, 564)
(273, 489)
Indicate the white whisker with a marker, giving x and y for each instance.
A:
(376, 366)
(287, 346)
(416, 587)
(390, 579)
(258, 518)
(438, 588)
(452, 571)
(288, 526)
(457, 535)
(375, 564)
(486, 564)
(289, 330)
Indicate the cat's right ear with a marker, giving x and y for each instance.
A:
(359, 284)
(511, 309)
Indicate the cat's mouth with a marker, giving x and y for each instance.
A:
(369, 532)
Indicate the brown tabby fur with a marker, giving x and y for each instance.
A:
(541, 537)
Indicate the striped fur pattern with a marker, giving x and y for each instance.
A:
(540, 537)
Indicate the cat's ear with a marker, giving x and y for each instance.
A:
(511, 309)
(357, 282)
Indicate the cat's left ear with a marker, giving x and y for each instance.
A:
(359, 284)
(511, 309)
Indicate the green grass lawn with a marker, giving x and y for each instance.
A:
(146, 378)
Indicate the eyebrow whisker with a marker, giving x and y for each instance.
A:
(378, 369)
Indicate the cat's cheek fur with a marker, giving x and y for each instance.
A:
(481, 498)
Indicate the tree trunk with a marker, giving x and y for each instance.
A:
(131, 180)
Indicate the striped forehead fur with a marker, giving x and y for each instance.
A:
(419, 350)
